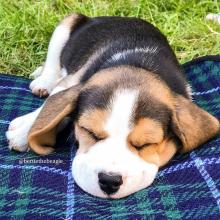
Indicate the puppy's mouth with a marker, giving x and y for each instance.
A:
(98, 182)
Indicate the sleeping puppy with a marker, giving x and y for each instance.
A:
(120, 83)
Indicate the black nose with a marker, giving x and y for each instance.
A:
(109, 182)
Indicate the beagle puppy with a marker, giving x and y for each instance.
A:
(119, 82)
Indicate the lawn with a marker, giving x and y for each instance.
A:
(26, 26)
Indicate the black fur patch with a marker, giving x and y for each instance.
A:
(117, 34)
(150, 108)
(94, 97)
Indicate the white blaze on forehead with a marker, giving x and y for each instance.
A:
(113, 155)
(121, 112)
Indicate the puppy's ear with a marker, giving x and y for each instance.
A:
(42, 135)
(192, 125)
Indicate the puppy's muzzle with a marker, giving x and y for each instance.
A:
(109, 182)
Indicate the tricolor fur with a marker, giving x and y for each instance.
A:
(119, 83)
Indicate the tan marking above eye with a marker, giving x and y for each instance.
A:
(146, 131)
(92, 122)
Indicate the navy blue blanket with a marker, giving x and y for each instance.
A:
(35, 187)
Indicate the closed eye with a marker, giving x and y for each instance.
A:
(140, 147)
(92, 134)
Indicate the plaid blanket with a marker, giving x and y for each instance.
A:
(36, 187)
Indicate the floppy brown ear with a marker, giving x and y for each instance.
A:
(192, 125)
(42, 135)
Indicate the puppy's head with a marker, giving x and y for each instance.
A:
(128, 124)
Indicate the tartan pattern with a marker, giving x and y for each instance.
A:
(187, 188)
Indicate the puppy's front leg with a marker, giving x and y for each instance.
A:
(18, 129)
(48, 75)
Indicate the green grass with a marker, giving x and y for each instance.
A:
(26, 26)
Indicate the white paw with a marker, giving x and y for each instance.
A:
(37, 72)
(42, 86)
(16, 123)
(17, 134)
